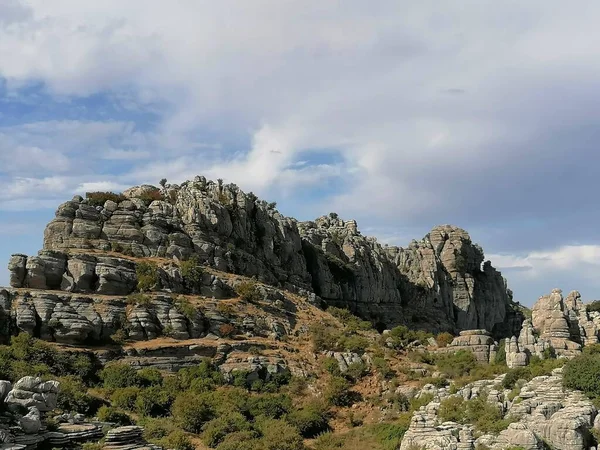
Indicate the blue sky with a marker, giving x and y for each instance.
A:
(400, 115)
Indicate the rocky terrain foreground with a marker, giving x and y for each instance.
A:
(197, 316)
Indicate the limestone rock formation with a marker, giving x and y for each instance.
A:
(78, 319)
(32, 392)
(439, 283)
(545, 414)
(479, 342)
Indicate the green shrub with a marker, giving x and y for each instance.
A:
(192, 273)
(178, 440)
(500, 358)
(486, 417)
(401, 336)
(452, 409)
(311, 419)
(192, 411)
(110, 414)
(383, 367)
(323, 337)
(202, 378)
(456, 364)
(272, 406)
(242, 440)
(153, 401)
(593, 306)
(249, 291)
(150, 376)
(119, 375)
(74, 397)
(583, 373)
(279, 435)
(513, 375)
(147, 276)
(125, 398)
(353, 343)
(186, 308)
(356, 371)
(350, 321)
(338, 392)
(215, 431)
(139, 299)
(100, 198)
(331, 365)
(422, 400)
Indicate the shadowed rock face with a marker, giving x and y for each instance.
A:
(438, 283)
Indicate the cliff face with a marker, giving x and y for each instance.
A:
(438, 283)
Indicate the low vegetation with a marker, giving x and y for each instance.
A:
(100, 198)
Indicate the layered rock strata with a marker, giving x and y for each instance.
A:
(545, 415)
(438, 283)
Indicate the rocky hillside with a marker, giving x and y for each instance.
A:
(439, 283)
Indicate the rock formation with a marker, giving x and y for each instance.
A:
(545, 414)
(439, 283)
(479, 342)
(71, 318)
(559, 325)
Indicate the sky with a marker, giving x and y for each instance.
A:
(402, 115)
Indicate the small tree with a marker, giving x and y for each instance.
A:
(163, 182)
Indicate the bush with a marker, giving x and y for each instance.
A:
(149, 196)
(249, 291)
(119, 375)
(401, 336)
(583, 373)
(110, 414)
(147, 275)
(444, 339)
(178, 440)
(150, 377)
(356, 371)
(331, 365)
(215, 431)
(514, 375)
(272, 406)
(201, 378)
(74, 397)
(100, 198)
(192, 273)
(350, 321)
(500, 358)
(311, 419)
(383, 367)
(486, 417)
(153, 401)
(243, 440)
(323, 337)
(279, 435)
(192, 411)
(184, 306)
(338, 392)
(456, 364)
(139, 299)
(125, 398)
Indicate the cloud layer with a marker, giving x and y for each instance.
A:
(401, 115)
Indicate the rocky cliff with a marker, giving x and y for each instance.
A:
(438, 283)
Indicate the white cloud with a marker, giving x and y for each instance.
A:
(584, 259)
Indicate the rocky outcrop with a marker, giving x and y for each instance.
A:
(447, 279)
(104, 275)
(439, 283)
(81, 319)
(478, 342)
(544, 414)
(32, 392)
